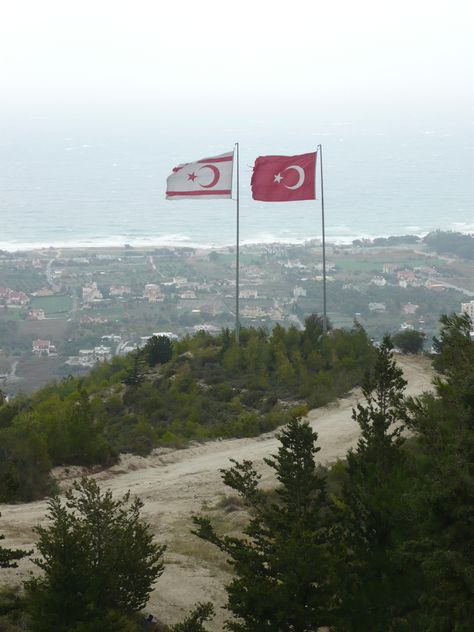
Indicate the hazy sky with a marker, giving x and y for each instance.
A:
(191, 60)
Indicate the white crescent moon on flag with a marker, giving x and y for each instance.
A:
(300, 171)
(215, 177)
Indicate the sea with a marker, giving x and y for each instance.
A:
(92, 188)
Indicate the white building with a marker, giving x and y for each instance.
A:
(119, 290)
(102, 353)
(43, 348)
(153, 293)
(166, 334)
(468, 308)
(246, 294)
(188, 295)
(91, 293)
(37, 314)
(299, 291)
(377, 307)
(380, 281)
(410, 308)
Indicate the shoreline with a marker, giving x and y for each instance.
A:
(178, 241)
(141, 245)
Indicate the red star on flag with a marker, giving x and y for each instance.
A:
(202, 179)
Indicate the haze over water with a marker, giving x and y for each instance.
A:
(101, 100)
(96, 187)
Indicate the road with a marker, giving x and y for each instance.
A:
(469, 293)
(11, 376)
(48, 269)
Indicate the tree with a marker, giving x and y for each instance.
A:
(409, 341)
(376, 583)
(9, 557)
(383, 393)
(24, 461)
(194, 622)
(80, 438)
(442, 497)
(99, 562)
(158, 350)
(135, 375)
(281, 565)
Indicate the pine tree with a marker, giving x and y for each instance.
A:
(158, 350)
(98, 559)
(281, 566)
(195, 621)
(135, 376)
(375, 582)
(443, 496)
(379, 418)
(10, 557)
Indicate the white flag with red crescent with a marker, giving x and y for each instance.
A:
(204, 179)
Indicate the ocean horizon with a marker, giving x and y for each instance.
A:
(63, 188)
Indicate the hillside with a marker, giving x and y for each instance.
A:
(199, 388)
(174, 484)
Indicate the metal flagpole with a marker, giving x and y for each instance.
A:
(325, 318)
(237, 262)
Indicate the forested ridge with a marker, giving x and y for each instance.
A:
(198, 388)
(381, 541)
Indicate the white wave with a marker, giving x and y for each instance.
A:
(462, 227)
(341, 234)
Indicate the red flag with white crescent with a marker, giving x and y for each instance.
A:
(284, 178)
(204, 179)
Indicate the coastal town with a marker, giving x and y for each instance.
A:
(64, 310)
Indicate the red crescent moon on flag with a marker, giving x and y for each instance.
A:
(301, 174)
(215, 179)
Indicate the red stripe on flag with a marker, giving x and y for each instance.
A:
(223, 159)
(215, 192)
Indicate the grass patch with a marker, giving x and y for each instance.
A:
(55, 304)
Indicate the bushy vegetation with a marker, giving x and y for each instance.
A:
(409, 341)
(198, 388)
(392, 547)
(393, 240)
(449, 242)
(99, 563)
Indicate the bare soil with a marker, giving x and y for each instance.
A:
(175, 484)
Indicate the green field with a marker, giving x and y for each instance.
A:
(55, 304)
(375, 264)
(11, 314)
(49, 329)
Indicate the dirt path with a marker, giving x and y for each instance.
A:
(174, 484)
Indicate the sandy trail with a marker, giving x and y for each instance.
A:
(174, 484)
